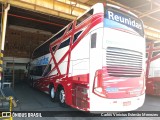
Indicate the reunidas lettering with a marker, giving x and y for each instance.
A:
(128, 21)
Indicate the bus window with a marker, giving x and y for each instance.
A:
(44, 49)
(93, 40)
(53, 48)
(157, 44)
(39, 70)
(146, 55)
(84, 17)
(155, 53)
(76, 36)
(46, 70)
(71, 27)
(65, 43)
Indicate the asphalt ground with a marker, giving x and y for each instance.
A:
(32, 100)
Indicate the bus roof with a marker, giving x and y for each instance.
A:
(107, 4)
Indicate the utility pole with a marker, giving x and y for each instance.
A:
(5, 8)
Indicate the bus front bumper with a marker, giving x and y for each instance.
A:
(99, 104)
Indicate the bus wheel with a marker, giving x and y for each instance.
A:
(62, 97)
(53, 95)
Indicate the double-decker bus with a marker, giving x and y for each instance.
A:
(95, 63)
(153, 68)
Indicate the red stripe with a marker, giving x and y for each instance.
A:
(89, 24)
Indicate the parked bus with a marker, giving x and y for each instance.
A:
(95, 63)
(153, 68)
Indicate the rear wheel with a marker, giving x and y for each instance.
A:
(62, 97)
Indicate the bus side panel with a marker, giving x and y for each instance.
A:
(77, 81)
(95, 64)
(38, 81)
(153, 70)
(80, 57)
(153, 78)
(79, 74)
(62, 66)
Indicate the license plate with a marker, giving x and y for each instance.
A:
(127, 103)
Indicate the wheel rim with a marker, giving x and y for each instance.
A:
(62, 96)
(52, 93)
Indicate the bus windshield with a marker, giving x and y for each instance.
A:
(117, 19)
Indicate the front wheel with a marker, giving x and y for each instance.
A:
(62, 97)
(52, 94)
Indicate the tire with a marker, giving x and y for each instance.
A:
(62, 97)
(52, 94)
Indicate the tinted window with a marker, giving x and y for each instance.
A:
(146, 55)
(64, 44)
(93, 40)
(76, 36)
(71, 27)
(47, 70)
(54, 48)
(155, 53)
(157, 44)
(147, 46)
(44, 49)
(38, 70)
(85, 16)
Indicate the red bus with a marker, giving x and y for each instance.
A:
(153, 68)
(94, 63)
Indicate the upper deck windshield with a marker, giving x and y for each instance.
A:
(117, 19)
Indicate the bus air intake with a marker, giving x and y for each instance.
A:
(123, 62)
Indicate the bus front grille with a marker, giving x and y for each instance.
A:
(123, 63)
